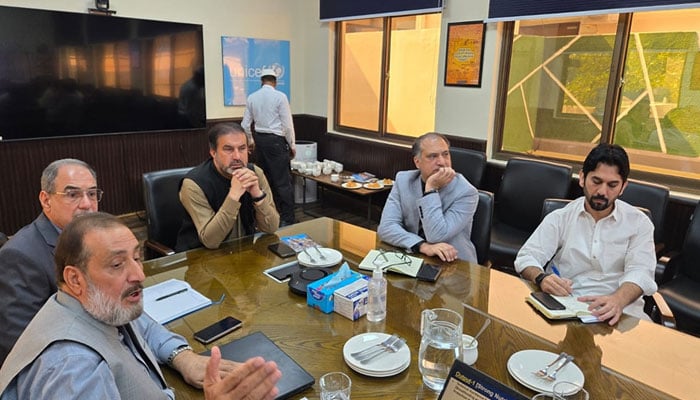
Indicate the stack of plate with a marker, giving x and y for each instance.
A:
(387, 364)
(523, 364)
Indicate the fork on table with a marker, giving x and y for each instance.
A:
(374, 347)
(545, 370)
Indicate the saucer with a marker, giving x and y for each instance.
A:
(388, 364)
(523, 364)
(373, 185)
(351, 185)
(313, 259)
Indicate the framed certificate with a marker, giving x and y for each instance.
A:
(464, 55)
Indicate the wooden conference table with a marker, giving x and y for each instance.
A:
(634, 360)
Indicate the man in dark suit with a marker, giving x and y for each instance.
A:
(68, 188)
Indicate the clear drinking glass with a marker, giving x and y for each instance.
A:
(569, 391)
(335, 386)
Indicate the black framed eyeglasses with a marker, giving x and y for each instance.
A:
(75, 195)
(390, 258)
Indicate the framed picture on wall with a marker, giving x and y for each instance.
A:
(465, 53)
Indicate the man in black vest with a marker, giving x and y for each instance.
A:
(225, 197)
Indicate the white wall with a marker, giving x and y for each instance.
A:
(459, 111)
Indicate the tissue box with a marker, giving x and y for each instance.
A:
(351, 301)
(319, 295)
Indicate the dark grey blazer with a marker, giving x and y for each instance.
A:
(28, 279)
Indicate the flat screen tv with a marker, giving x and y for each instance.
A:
(65, 74)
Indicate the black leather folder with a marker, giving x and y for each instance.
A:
(294, 379)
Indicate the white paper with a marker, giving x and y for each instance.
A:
(163, 305)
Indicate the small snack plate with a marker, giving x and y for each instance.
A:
(351, 185)
(312, 257)
(373, 185)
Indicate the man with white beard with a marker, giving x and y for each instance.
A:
(92, 340)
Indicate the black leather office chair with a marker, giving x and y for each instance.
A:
(470, 163)
(481, 227)
(518, 206)
(164, 212)
(682, 290)
(654, 198)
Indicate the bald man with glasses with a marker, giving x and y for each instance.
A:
(68, 189)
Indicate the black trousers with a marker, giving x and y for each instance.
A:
(272, 155)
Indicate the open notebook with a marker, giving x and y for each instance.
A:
(401, 263)
(571, 308)
(294, 379)
(172, 299)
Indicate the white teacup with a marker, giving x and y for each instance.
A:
(470, 352)
(335, 177)
(338, 167)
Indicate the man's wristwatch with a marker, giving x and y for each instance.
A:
(257, 199)
(176, 352)
(539, 278)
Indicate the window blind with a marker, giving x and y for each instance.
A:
(338, 10)
(510, 10)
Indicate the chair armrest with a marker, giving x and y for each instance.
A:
(666, 267)
(159, 248)
(665, 313)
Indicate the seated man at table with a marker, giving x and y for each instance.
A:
(92, 340)
(597, 247)
(225, 197)
(68, 188)
(430, 209)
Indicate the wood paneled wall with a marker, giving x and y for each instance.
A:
(119, 161)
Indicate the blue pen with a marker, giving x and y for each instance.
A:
(555, 270)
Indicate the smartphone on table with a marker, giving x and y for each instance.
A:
(282, 249)
(217, 330)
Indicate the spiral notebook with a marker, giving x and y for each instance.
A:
(294, 378)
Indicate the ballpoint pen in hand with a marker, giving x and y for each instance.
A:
(555, 270)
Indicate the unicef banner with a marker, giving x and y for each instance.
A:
(244, 58)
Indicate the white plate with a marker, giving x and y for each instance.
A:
(351, 185)
(313, 259)
(396, 371)
(522, 364)
(367, 186)
(385, 365)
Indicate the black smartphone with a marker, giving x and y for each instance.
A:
(429, 272)
(282, 250)
(217, 330)
(548, 301)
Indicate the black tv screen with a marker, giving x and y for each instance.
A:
(67, 73)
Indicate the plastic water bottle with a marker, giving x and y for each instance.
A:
(376, 292)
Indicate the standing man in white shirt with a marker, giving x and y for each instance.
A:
(274, 141)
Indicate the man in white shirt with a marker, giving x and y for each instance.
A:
(598, 247)
(274, 141)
